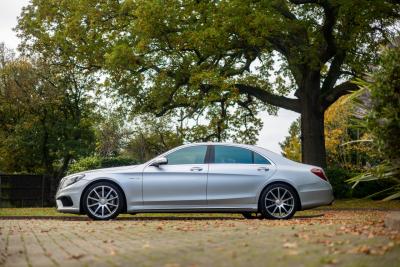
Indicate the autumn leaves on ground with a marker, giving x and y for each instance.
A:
(312, 238)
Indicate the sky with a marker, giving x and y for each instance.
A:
(275, 127)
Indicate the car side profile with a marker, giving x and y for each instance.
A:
(201, 177)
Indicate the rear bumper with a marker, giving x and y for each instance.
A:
(312, 198)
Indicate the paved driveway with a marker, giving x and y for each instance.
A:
(333, 238)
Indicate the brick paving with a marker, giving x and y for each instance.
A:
(335, 239)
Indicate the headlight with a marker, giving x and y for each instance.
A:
(66, 181)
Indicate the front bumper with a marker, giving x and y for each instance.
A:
(68, 199)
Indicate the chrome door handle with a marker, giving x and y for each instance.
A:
(263, 169)
(196, 169)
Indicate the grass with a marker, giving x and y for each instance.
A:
(338, 205)
(364, 204)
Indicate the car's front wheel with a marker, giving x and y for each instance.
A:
(278, 201)
(102, 201)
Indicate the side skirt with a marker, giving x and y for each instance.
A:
(191, 209)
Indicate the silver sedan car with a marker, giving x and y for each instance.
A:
(202, 177)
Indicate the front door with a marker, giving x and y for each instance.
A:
(182, 183)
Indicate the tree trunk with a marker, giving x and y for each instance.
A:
(312, 125)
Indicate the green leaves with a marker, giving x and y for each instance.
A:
(168, 57)
(383, 120)
(291, 146)
(46, 117)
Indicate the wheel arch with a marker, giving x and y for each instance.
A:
(103, 179)
(280, 182)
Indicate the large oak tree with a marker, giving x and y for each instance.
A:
(298, 55)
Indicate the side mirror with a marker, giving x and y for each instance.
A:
(159, 161)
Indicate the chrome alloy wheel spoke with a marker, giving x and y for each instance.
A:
(283, 207)
(279, 202)
(97, 194)
(102, 201)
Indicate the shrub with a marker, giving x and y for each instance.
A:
(342, 189)
(95, 162)
(383, 121)
(337, 177)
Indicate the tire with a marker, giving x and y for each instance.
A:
(250, 215)
(103, 201)
(278, 202)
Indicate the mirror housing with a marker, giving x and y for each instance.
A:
(159, 161)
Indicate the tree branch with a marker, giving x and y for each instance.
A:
(283, 9)
(334, 72)
(269, 98)
(329, 97)
(330, 13)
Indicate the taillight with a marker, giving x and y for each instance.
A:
(320, 173)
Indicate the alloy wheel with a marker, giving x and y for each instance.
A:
(102, 201)
(279, 202)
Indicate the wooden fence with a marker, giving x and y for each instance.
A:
(25, 191)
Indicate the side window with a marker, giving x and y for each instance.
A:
(188, 155)
(258, 159)
(231, 154)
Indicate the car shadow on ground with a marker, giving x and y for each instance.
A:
(146, 218)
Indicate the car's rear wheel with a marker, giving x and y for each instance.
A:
(278, 201)
(103, 201)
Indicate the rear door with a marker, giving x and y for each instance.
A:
(235, 175)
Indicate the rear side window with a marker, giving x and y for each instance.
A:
(188, 155)
(238, 155)
(258, 159)
(231, 154)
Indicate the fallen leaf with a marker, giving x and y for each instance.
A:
(289, 245)
(77, 256)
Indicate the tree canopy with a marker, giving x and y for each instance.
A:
(216, 58)
(46, 116)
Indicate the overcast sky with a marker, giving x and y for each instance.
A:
(275, 127)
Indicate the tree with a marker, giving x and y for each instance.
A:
(347, 145)
(112, 134)
(291, 146)
(46, 117)
(151, 137)
(194, 54)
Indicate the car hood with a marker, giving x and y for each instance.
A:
(112, 170)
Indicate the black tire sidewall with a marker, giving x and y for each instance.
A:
(120, 202)
(263, 209)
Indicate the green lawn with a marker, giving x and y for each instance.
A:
(363, 204)
(338, 204)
